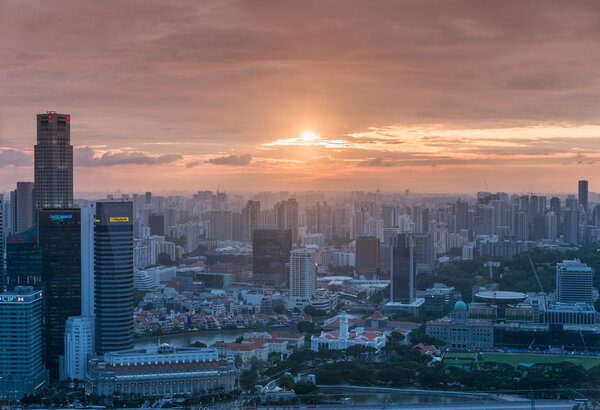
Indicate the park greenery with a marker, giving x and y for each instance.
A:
(514, 274)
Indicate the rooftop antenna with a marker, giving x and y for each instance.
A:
(535, 273)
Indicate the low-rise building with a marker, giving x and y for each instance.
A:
(460, 332)
(159, 371)
(345, 338)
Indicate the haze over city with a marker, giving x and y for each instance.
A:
(262, 95)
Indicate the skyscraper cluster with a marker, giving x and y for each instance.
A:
(69, 272)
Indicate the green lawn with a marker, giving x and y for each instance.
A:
(516, 359)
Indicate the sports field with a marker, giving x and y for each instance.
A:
(515, 359)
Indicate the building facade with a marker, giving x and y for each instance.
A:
(23, 259)
(160, 371)
(79, 344)
(60, 241)
(22, 370)
(270, 255)
(113, 278)
(367, 255)
(303, 279)
(574, 282)
(53, 162)
(462, 333)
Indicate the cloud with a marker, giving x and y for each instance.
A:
(86, 157)
(232, 160)
(15, 158)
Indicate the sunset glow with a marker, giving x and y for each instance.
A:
(245, 96)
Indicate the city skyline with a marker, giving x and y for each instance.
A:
(307, 96)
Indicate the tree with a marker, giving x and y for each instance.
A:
(198, 344)
(247, 379)
(238, 361)
(286, 382)
(304, 387)
(306, 326)
(240, 339)
(278, 308)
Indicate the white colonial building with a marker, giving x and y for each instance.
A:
(343, 338)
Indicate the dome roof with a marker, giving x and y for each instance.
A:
(460, 305)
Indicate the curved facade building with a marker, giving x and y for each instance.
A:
(113, 263)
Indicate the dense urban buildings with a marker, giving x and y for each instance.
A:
(22, 370)
(113, 278)
(53, 162)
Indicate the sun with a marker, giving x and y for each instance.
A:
(309, 136)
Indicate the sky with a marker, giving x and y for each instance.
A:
(431, 96)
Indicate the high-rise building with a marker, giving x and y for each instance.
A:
(79, 343)
(424, 252)
(88, 219)
(303, 280)
(156, 222)
(583, 194)
(270, 255)
(574, 281)
(402, 288)
(23, 259)
(286, 217)
(21, 205)
(250, 219)
(113, 276)
(2, 241)
(367, 255)
(22, 369)
(53, 162)
(60, 241)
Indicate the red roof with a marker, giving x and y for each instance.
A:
(377, 315)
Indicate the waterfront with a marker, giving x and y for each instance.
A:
(207, 337)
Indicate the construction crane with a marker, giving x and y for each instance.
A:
(535, 273)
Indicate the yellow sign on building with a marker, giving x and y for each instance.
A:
(119, 219)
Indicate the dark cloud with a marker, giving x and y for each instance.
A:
(85, 157)
(16, 158)
(232, 160)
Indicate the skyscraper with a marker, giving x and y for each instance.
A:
(60, 241)
(22, 370)
(367, 254)
(23, 259)
(303, 280)
(270, 254)
(250, 219)
(286, 217)
(403, 269)
(156, 222)
(583, 194)
(21, 206)
(113, 277)
(53, 162)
